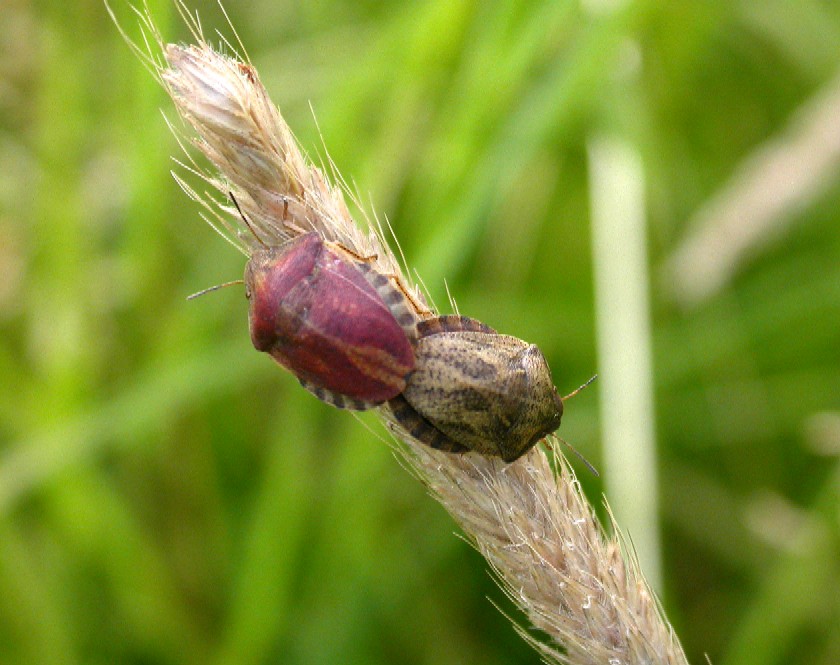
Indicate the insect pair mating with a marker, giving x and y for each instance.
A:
(354, 340)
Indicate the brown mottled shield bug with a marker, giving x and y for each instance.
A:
(474, 389)
(343, 329)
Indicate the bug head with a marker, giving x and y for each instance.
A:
(259, 292)
(539, 406)
(270, 274)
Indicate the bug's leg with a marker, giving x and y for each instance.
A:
(292, 213)
(417, 305)
(420, 428)
(452, 323)
(352, 254)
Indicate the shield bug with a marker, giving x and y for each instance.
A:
(474, 389)
(322, 312)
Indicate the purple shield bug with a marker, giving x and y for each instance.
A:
(343, 329)
(474, 389)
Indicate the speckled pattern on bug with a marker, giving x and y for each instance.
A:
(476, 390)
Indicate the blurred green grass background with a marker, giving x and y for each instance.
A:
(167, 495)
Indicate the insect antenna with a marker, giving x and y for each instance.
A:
(215, 288)
(577, 390)
(245, 219)
(577, 453)
(569, 445)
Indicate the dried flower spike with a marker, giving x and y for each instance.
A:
(581, 587)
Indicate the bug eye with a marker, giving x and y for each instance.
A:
(247, 292)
